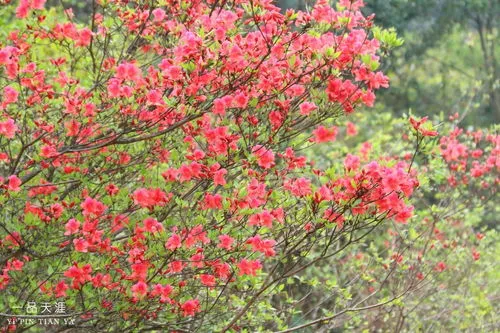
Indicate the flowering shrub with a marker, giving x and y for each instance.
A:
(433, 273)
(153, 165)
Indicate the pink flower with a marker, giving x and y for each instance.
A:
(342, 92)
(219, 177)
(173, 73)
(92, 207)
(23, 9)
(261, 219)
(306, 108)
(84, 37)
(81, 245)
(249, 267)
(14, 183)
(152, 225)
(391, 181)
(71, 227)
(37, 4)
(60, 289)
(219, 106)
(417, 125)
(154, 97)
(187, 172)
(9, 95)
(222, 270)
(331, 216)
(139, 289)
(299, 187)
(4, 56)
(150, 198)
(475, 255)
(128, 71)
(212, 201)
(377, 80)
(80, 275)
(190, 307)
(241, 100)
(139, 270)
(112, 189)
(72, 128)
(48, 151)
(351, 129)
(25, 6)
(440, 267)
(265, 246)
(163, 291)
(207, 280)
(352, 4)
(351, 162)
(225, 242)
(158, 14)
(323, 134)
(174, 242)
(404, 214)
(176, 266)
(368, 98)
(264, 156)
(8, 128)
(276, 118)
(16, 265)
(114, 88)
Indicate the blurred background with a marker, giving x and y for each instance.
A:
(449, 61)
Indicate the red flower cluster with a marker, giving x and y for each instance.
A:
(159, 148)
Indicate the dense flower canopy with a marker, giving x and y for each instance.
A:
(151, 159)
